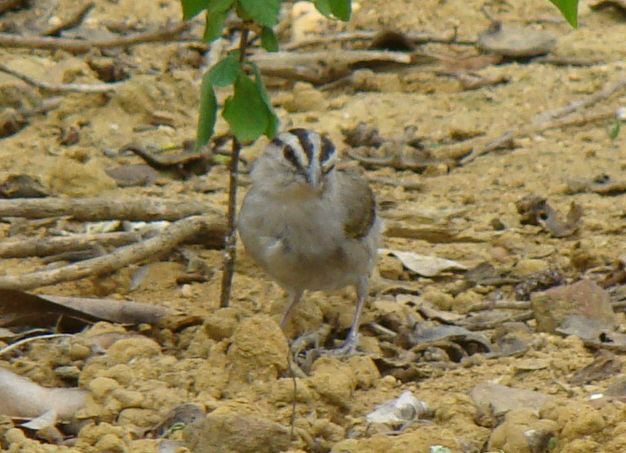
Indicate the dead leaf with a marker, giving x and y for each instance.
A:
(22, 186)
(428, 266)
(133, 175)
(22, 398)
(399, 411)
(45, 420)
(18, 308)
(535, 210)
(605, 365)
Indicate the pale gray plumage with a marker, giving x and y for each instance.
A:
(310, 226)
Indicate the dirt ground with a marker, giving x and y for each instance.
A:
(232, 362)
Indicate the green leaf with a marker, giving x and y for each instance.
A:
(192, 8)
(614, 129)
(225, 71)
(269, 41)
(569, 9)
(213, 25)
(264, 12)
(246, 111)
(220, 5)
(208, 113)
(334, 9)
(274, 122)
(341, 9)
(323, 6)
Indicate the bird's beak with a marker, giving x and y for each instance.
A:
(314, 178)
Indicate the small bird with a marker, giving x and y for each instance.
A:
(309, 225)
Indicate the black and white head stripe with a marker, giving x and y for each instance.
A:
(308, 151)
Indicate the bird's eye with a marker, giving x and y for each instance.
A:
(290, 156)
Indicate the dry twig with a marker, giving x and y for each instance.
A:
(230, 241)
(62, 87)
(607, 91)
(324, 66)
(169, 238)
(19, 248)
(80, 46)
(469, 150)
(95, 209)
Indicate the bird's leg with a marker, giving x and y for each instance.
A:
(352, 340)
(293, 297)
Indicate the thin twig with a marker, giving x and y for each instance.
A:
(501, 305)
(70, 22)
(80, 46)
(20, 248)
(96, 209)
(23, 341)
(607, 91)
(468, 151)
(294, 396)
(62, 87)
(230, 247)
(168, 239)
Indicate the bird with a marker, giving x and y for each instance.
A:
(309, 225)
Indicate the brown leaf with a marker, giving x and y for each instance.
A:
(18, 308)
(21, 397)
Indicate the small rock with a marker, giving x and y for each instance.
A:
(222, 323)
(102, 386)
(530, 266)
(523, 432)
(583, 299)
(503, 399)
(258, 351)
(305, 98)
(124, 350)
(305, 21)
(226, 431)
(365, 371)
(333, 380)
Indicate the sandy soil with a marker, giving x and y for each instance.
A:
(232, 362)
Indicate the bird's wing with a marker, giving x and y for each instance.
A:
(359, 202)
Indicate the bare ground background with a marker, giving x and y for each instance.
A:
(231, 362)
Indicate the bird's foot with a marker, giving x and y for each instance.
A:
(347, 349)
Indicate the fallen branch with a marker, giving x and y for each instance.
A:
(324, 66)
(414, 38)
(96, 209)
(80, 46)
(435, 235)
(62, 87)
(20, 248)
(168, 239)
